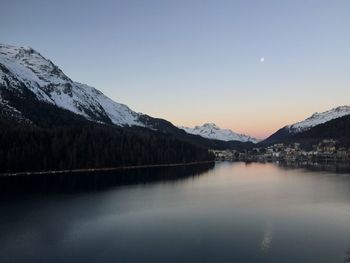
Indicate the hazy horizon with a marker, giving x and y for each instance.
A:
(250, 67)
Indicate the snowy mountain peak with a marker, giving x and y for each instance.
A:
(23, 68)
(319, 118)
(209, 125)
(212, 131)
(43, 71)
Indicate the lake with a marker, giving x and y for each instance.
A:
(233, 212)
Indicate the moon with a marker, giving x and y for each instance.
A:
(262, 59)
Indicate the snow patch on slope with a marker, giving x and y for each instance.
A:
(119, 114)
(12, 113)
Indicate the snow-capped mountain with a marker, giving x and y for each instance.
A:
(212, 131)
(23, 69)
(319, 118)
(35, 91)
(313, 121)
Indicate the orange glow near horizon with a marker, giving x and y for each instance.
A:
(256, 124)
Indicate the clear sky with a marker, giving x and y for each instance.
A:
(192, 61)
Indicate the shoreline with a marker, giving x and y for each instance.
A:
(291, 161)
(84, 170)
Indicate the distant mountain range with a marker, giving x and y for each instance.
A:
(315, 122)
(297, 130)
(34, 91)
(212, 131)
(318, 118)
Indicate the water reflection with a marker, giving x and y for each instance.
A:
(235, 212)
(347, 256)
(334, 167)
(88, 181)
(267, 239)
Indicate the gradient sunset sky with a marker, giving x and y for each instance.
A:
(251, 66)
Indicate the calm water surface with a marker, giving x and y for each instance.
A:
(232, 213)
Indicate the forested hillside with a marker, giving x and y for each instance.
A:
(29, 148)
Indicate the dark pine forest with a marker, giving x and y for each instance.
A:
(31, 148)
